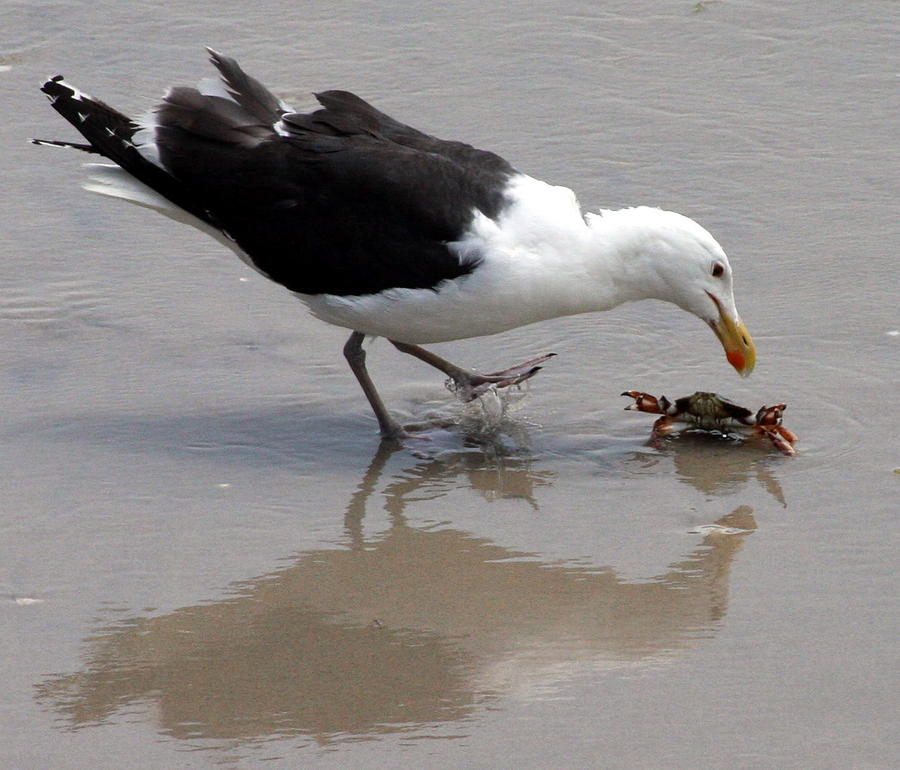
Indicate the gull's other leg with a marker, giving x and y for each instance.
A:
(470, 385)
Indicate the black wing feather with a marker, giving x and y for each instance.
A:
(248, 92)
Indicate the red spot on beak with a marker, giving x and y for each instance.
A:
(736, 359)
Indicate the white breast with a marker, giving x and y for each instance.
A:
(530, 270)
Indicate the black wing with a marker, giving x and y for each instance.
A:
(343, 200)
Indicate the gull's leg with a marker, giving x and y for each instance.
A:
(470, 385)
(356, 357)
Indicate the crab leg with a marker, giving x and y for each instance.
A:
(662, 427)
(781, 442)
(788, 434)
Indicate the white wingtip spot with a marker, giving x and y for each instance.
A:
(144, 138)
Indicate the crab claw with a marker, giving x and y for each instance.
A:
(770, 415)
(644, 402)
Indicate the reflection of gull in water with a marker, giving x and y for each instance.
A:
(488, 466)
(404, 631)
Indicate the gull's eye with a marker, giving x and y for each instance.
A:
(718, 270)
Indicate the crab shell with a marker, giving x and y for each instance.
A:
(712, 412)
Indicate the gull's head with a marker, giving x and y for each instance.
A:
(670, 257)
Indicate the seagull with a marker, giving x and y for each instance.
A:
(390, 232)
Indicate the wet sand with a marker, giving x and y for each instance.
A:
(206, 558)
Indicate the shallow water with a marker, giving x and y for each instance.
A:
(207, 560)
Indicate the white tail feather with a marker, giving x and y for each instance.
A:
(114, 182)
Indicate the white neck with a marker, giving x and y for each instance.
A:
(548, 265)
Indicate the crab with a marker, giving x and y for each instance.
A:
(711, 412)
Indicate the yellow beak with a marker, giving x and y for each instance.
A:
(739, 348)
